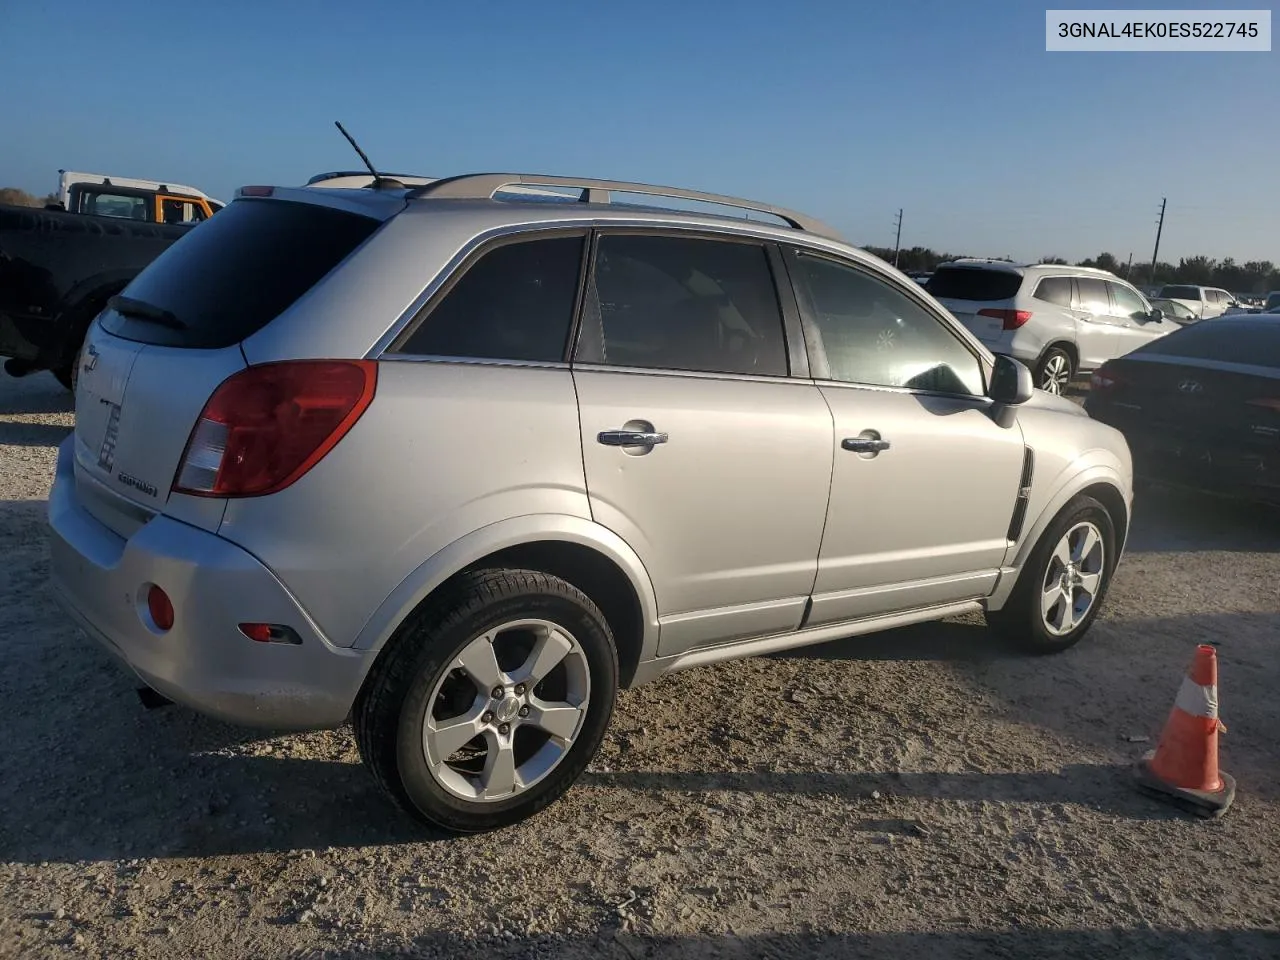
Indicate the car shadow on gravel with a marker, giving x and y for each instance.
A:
(1106, 788)
(45, 395)
(19, 434)
(1013, 944)
(1166, 520)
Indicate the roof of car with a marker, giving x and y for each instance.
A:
(531, 198)
(1014, 267)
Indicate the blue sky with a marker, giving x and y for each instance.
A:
(952, 111)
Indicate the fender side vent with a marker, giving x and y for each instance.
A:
(1024, 494)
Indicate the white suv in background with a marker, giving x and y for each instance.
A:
(1206, 302)
(1058, 320)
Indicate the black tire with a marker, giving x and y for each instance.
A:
(1020, 621)
(1055, 364)
(69, 375)
(389, 713)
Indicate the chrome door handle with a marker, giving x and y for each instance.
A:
(864, 444)
(630, 438)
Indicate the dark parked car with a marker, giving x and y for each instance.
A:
(57, 271)
(1201, 407)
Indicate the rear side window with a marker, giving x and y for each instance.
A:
(514, 303)
(1254, 344)
(683, 303)
(1055, 290)
(973, 283)
(1093, 296)
(238, 271)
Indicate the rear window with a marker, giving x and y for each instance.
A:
(236, 272)
(1255, 343)
(973, 283)
(1181, 293)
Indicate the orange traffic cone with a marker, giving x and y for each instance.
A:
(1184, 766)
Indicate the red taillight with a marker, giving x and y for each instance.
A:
(160, 607)
(266, 426)
(1009, 319)
(260, 632)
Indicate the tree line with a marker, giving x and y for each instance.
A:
(1253, 277)
(20, 198)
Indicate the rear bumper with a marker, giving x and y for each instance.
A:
(204, 661)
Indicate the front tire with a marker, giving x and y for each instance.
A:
(489, 701)
(1055, 371)
(1064, 582)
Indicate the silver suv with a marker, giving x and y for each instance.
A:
(457, 465)
(1058, 320)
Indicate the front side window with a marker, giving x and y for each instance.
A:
(872, 333)
(514, 303)
(178, 210)
(683, 303)
(1128, 303)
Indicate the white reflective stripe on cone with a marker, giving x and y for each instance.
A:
(1197, 700)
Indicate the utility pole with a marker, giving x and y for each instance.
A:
(897, 243)
(1129, 267)
(1159, 227)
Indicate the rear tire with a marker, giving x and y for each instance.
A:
(1055, 371)
(491, 629)
(1047, 611)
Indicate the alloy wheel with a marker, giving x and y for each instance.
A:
(1073, 579)
(1056, 374)
(506, 711)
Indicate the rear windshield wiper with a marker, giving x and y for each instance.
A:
(141, 310)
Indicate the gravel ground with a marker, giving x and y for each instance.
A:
(921, 792)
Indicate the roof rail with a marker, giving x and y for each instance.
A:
(483, 186)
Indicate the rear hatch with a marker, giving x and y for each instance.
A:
(967, 291)
(153, 359)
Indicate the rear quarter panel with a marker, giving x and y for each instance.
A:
(444, 449)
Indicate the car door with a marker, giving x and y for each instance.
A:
(700, 449)
(1132, 316)
(924, 479)
(1099, 335)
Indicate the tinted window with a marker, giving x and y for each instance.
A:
(1255, 343)
(681, 303)
(1273, 300)
(1127, 303)
(1055, 290)
(113, 205)
(1181, 293)
(236, 272)
(973, 283)
(514, 303)
(1093, 295)
(872, 333)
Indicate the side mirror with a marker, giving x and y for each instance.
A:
(1156, 315)
(1011, 382)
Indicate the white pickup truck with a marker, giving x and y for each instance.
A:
(150, 201)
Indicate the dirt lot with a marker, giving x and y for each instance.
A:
(918, 793)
